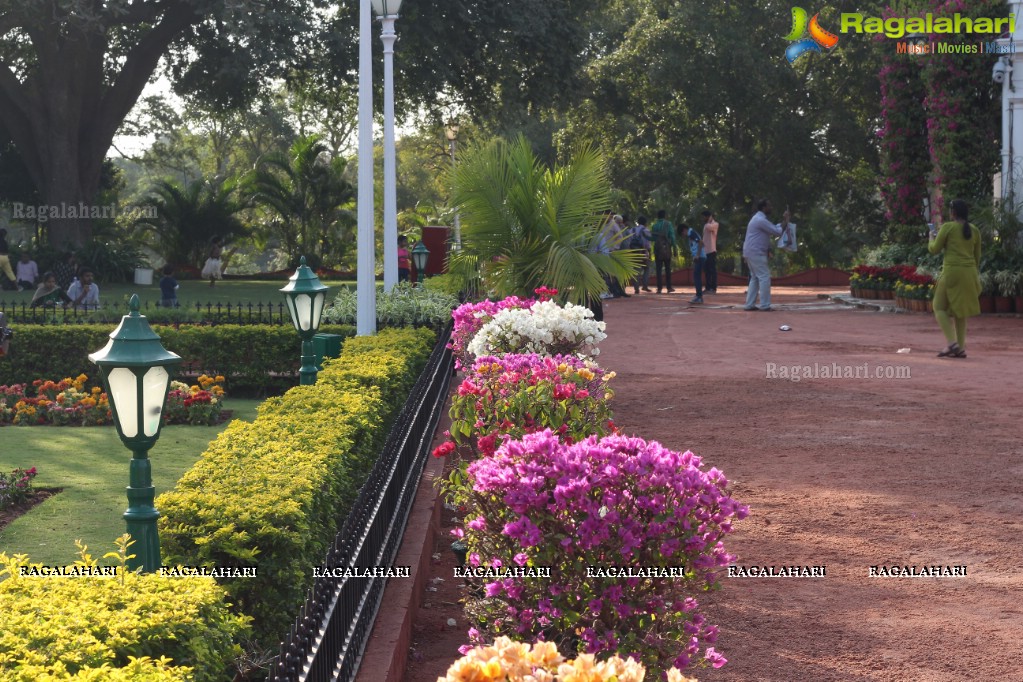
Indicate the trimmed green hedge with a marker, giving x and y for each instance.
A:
(249, 356)
(92, 628)
(271, 494)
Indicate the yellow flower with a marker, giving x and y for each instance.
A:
(674, 675)
(585, 373)
(219, 379)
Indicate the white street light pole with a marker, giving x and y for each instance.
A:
(452, 135)
(366, 316)
(387, 10)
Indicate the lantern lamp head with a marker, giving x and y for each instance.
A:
(420, 256)
(135, 368)
(305, 295)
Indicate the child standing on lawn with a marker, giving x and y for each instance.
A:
(168, 288)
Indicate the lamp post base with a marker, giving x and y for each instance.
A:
(141, 516)
(307, 373)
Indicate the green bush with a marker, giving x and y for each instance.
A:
(403, 306)
(91, 628)
(271, 494)
(112, 261)
(249, 356)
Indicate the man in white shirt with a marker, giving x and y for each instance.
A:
(83, 292)
(28, 272)
(759, 234)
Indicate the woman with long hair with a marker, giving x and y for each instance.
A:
(957, 293)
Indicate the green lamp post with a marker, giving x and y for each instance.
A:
(134, 367)
(305, 294)
(420, 256)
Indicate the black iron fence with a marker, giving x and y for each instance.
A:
(329, 636)
(224, 313)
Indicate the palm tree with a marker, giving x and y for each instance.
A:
(188, 215)
(526, 226)
(306, 193)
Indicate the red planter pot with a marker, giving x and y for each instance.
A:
(1003, 304)
(987, 304)
(1017, 303)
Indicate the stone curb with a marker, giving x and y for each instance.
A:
(863, 304)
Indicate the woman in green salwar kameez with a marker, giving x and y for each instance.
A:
(957, 293)
(48, 295)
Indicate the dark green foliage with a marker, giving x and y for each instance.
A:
(250, 357)
(111, 261)
(189, 216)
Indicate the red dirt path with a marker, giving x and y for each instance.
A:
(846, 473)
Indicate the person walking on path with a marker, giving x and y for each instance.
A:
(957, 293)
(665, 246)
(755, 250)
(640, 240)
(710, 252)
(616, 242)
(696, 250)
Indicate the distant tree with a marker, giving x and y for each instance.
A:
(307, 200)
(188, 215)
(525, 225)
(71, 71)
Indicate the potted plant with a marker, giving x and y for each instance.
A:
(987, 292)
(1009, 285)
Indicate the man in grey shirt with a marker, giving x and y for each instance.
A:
(759, 234)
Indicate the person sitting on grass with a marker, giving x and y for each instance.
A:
(49, 294)
(28, 272)
(168, 288)
(83, 292)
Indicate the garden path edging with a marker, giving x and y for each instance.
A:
(387, 649)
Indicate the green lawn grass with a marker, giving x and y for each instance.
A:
(192, 292)
(91, 465)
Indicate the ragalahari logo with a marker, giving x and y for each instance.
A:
(817, 39)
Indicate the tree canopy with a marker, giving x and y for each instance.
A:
(71, 71)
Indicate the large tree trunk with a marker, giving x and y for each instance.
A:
(63, 112)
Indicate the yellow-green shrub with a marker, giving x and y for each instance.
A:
(90, 628)
(270, 494)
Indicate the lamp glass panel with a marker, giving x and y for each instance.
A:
(154, 390)
(386, 8)
(304, 311)
(318, 308)
(124, 396)
(420, 259)
(291, 310)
